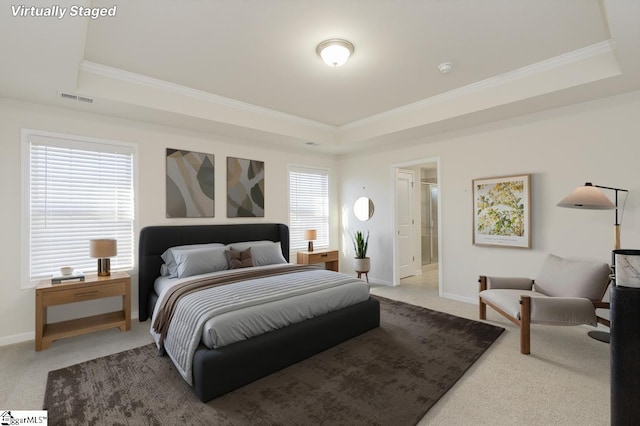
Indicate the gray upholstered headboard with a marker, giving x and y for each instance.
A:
(154, 240)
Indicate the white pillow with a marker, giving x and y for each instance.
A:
(171, 268)
(262, 252)
(196, 261)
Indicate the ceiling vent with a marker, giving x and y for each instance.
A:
(77, 98)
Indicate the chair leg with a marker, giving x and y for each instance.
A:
(482, 305)
(525, 325)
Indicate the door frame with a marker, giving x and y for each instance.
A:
(394, 168)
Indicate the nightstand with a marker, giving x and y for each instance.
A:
(93, 287)
(329, 257)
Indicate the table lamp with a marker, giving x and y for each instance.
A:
(103, 249)
(310, 235)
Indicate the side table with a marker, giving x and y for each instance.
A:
(329, 257)
(93, 287)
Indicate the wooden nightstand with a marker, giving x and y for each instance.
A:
(329, 257)
(93, 287)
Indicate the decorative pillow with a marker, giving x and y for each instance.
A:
(267, 254)
(167, 256)
(196, 261)
(239, 259)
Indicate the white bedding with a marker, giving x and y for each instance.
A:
(243, 318)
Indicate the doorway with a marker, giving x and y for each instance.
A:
(405, 180)
(417, 212)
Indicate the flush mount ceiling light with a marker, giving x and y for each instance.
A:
(335, 52)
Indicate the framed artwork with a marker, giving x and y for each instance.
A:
(245, 188)
(501, 211)
(190, 184)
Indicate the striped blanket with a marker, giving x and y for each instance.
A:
(178, 321)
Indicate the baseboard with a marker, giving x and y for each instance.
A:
(31, 335)
(451, 296)
(17, 338)
(380, 282)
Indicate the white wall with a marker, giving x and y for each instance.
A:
(562, 148)
(17, 313)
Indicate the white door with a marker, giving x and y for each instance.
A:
(404, 222)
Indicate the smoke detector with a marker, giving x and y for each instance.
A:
(445, 67)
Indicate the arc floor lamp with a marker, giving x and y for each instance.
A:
(591, 197)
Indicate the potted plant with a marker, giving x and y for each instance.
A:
(361, 263)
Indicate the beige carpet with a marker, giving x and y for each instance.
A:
(565, 380)
(390, 375)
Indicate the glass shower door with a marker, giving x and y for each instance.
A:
(429, 223)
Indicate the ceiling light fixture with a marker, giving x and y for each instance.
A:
(335, 52)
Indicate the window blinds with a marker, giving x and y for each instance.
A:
(78, 191)
(308, 206)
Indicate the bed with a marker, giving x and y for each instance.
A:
(216, 371)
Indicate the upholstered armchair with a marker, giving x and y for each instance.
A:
(565, 292)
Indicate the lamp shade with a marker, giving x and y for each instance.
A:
(103, 248)
(587, 197)
(310, 234)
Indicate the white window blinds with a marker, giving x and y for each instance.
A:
(77, 191)
(308, 206)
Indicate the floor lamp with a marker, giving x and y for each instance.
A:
(590, 197)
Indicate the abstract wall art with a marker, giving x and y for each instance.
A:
(190, 184)
(245, 188)
(501, 210)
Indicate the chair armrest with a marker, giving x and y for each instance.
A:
(510, 283)
(562, 311)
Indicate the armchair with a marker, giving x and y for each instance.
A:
(565, 292)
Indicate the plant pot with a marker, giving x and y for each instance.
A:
(362, 265)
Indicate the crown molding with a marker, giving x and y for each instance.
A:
(568, 58)
(134, 78)
(517, 74)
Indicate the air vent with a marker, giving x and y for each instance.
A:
(71, 97)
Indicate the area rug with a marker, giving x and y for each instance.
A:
(388, 376)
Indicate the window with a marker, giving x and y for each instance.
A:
(75, 190)
(308, 206)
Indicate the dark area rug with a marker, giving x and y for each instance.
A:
(388, 376)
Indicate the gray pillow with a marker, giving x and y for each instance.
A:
(196, 261)
(243, 245)
(267, 254)
(171, 269)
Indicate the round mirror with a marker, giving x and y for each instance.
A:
(363, 208)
